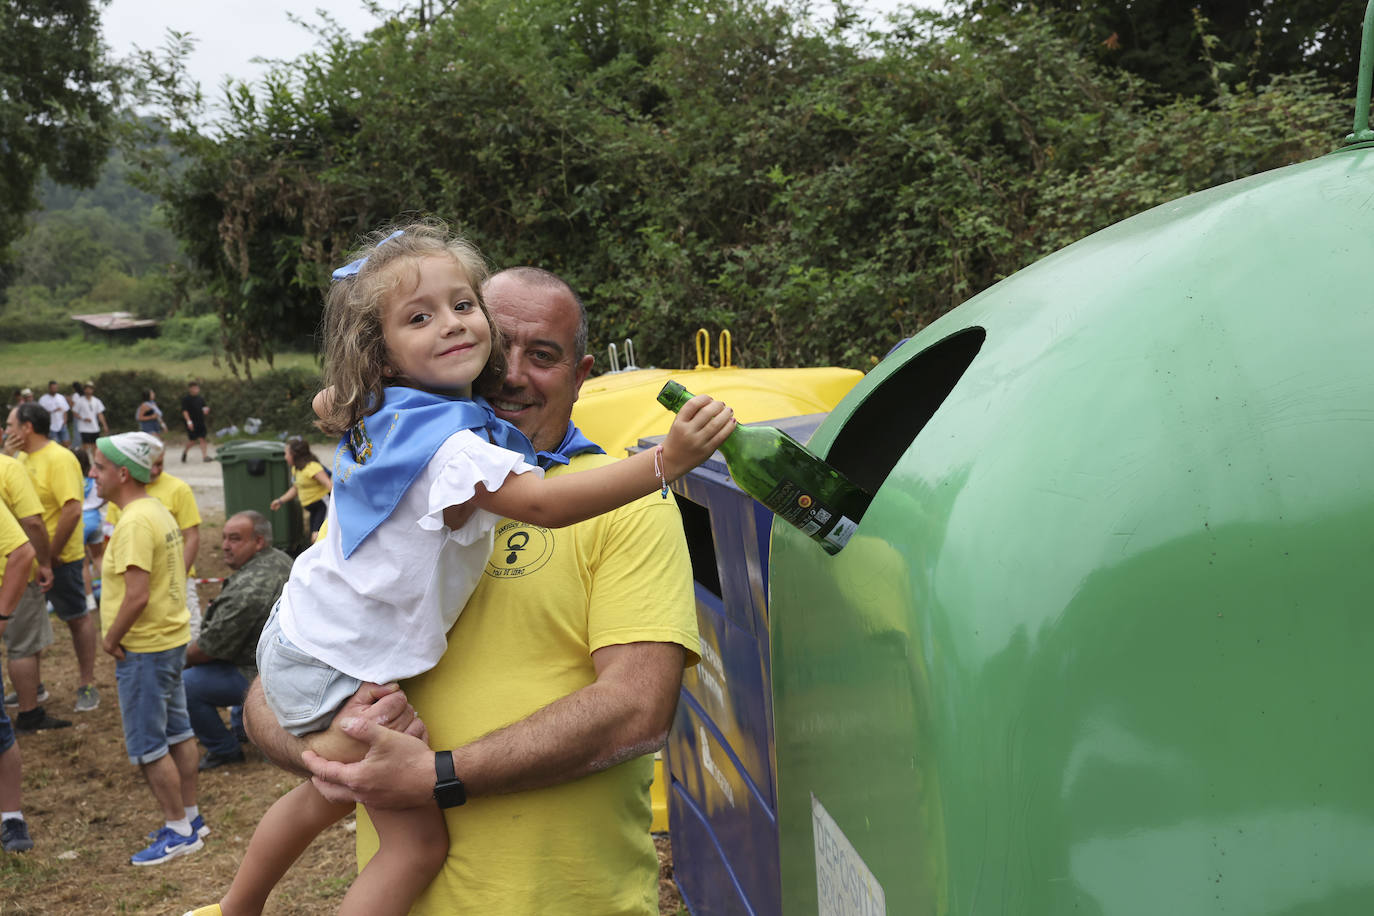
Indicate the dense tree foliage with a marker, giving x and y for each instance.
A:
(821, 190)
(1175, 44)
(55, 101)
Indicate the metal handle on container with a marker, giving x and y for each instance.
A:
(704, 342)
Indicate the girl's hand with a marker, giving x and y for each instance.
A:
(700, 427)
(276, 504)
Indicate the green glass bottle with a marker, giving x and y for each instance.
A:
(779, 472)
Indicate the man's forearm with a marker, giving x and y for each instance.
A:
(191, 543)
(125, 618)
(66, 524)
(624, 714)
(195, 655)
(38, 537)
(590, 730)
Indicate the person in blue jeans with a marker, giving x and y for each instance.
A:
(146, 629)
(16, 555)
(222, 661)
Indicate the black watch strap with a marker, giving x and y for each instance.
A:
(448, 788)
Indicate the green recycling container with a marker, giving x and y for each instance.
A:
(1102, 643)
(255, 473)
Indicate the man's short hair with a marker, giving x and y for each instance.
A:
(35, 415)
(262, 526)
(538, 276)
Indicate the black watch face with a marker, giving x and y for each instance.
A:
(450, 794)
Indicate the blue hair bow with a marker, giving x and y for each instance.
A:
(351, 269)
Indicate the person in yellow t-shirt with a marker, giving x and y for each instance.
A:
(180, 500)
(56, 476)
(146, 629)
(310, 482)
(30, 632)
(16, 556)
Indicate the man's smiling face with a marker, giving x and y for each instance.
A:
(545, 374)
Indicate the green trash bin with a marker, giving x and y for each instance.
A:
(255, 473)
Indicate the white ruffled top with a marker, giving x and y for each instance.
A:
(384, 613)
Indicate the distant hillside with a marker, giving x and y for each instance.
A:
(99, 249)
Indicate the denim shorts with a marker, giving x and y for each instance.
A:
(152, 703)
(303, 692)
(91, 524)
(6, 731)
(30, 632)
(68, 592)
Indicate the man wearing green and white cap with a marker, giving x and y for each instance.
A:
(146, 628)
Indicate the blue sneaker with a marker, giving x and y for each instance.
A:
(168, 845)
(197, 826)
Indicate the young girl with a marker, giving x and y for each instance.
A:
(311, 483)
(420, 480)
(149, 415)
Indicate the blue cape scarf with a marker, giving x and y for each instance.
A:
(379, 458)
(573, 444)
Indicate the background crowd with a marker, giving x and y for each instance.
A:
(98, 550)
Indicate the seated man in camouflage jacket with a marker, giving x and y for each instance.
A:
(222, 661)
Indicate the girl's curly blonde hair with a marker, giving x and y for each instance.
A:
(355, 357)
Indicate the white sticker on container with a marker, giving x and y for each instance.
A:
(844, 884)
(839, 535)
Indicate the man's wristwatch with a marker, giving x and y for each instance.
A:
(448, 788)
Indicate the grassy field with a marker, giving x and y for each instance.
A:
(35, 363)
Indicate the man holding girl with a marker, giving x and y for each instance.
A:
(560, 679)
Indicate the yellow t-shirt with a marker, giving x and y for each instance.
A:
(19, 496)
(176, 495)
(147, 537)
(16, 489)
(11, 536)
(547, 600)
(309, 490)
(56, 475)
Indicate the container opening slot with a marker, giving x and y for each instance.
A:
(701, 544)
(883, 427)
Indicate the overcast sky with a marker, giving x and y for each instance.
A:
(229, 35)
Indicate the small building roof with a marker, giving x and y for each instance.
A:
(115, 321)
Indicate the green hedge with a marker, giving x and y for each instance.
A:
(30, 328)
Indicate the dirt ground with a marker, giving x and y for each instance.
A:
(89, 809)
